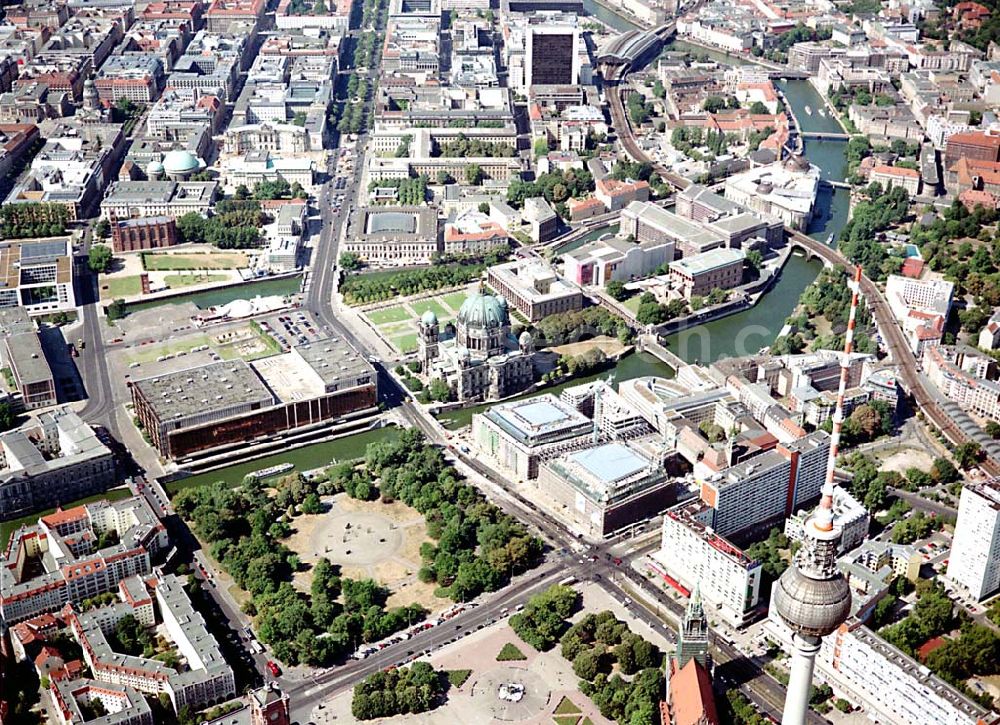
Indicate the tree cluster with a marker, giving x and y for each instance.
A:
(866, 422)
(235, 225)
(99, 257)
(556, 187)
(465, 147)
(244, 528)
(962, 246)
(932, 615)
(632, 170)
(33, 219)
(773, 558)
(599, 643)
(575, 325)
(639, 110)
(828, 297)
(572, 366)
(871, 216)
(131, 638)
(362, 288)
(404, 691)
(652, 312)
(479, 547)
(412, 191)
(543, 620)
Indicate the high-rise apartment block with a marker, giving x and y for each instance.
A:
(975, 552)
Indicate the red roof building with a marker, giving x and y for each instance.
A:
(691, 701)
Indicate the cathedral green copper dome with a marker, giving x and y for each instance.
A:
(483, 311)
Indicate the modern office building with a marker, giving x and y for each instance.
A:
(53, 460)
(974, 563)
(229, 403)
(552, 50)
(605, 488)
(37, 276)
(694, 556)
(518, 435)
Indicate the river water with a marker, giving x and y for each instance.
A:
(748, 331)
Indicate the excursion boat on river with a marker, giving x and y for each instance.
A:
(273, 470)
(808, 110)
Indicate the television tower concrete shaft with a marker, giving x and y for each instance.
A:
(812, 596)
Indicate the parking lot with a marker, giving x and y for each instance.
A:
(295, 327)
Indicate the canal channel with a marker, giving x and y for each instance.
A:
(306, 458)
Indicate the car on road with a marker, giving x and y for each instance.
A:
(273, 668)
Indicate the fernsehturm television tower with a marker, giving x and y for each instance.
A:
(812, 596)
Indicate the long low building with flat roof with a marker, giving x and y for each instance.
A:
(519, 434)
(22, 353)
(605, 488)
(232, 402)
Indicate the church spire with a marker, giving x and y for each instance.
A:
(692, 639)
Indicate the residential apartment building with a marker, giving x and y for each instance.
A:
(920, 307)
(62, 547)
(890, 176)
(208, 680)
(974, 562)
(768, 487)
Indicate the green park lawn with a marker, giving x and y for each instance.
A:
(397, 313)
(167, 262)
(433, 305)
(455, 299)
(406, 343)
(114, 288)
(174, 281)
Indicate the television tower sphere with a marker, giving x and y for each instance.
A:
(812, 606)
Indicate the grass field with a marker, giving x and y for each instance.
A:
(173, 281)
(454, 300)
(632, 303)
(566, 707)
(214, 260)
(433, 305)
(389, 314)
(8, 527)
(406, 343)
(148, 353)
(120, 287)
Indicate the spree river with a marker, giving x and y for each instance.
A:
(757, 327)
